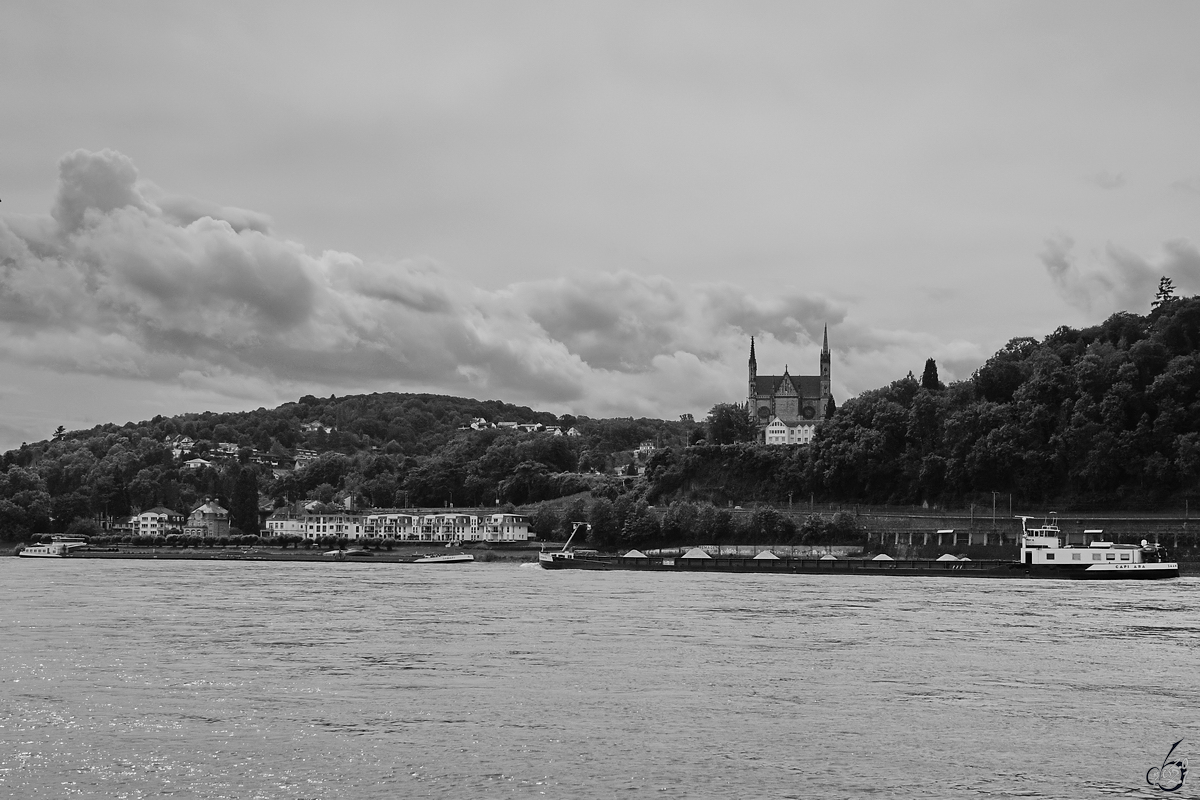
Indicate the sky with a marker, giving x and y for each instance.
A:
(584, 207)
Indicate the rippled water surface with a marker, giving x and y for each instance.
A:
(135, 679)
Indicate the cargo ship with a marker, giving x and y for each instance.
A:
(1042, 555)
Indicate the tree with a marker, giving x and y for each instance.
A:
(243, 505)
(729, 423)
(545, 521)
(604, 524)
(59, 433)
(929, 379)
(1165, 294)
(83, 527)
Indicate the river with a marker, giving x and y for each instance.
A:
(140, 679)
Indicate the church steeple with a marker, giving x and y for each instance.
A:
(750, 396)
(826, 392)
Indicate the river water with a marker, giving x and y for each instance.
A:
(136, 679)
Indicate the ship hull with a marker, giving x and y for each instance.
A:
(29, 552)
(932, 568)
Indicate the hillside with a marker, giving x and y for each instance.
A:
(1107, 417)
(381, 449)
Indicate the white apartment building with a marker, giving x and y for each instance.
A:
(451, 527)
(402, 527)
(780, 432)
(506, 528)
(310, 525)
(158, 521)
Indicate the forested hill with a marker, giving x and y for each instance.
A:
(1104, 417)
(1107, 415)
(382, 449)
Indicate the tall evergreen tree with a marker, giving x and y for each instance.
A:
(1166, 292)
(929, 380)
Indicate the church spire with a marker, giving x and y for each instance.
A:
(752, 395)
(826, 389)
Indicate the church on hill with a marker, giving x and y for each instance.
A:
(786, 407)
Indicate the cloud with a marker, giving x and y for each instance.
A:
(1190, 185)
(122, 279)
(98, 182)
(1109, 180)
(1117, 279)
(186, 210)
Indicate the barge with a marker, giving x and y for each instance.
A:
(1042, 555)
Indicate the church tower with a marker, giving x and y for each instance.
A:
(753, 378)
(826, 392)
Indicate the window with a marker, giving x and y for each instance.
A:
(1049, 556)
(1124, 556)
(1095, 556)
(1110, 556)
(1075, 556)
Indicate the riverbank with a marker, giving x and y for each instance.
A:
(399, 555)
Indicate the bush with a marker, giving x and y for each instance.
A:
(82, 527)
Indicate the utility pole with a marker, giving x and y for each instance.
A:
(994, 493)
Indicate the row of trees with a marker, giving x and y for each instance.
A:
(628, 520)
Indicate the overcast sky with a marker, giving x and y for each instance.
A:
(581, 207)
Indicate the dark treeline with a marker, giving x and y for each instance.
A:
(624, 519)
(1104, 417)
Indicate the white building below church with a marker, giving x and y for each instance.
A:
(780, 432)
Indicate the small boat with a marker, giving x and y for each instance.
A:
(452, 558)
(59, 547)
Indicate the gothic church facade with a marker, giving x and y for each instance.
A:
(786, 407)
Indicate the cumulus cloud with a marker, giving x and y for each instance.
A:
(1115, 278)
(122, 279)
